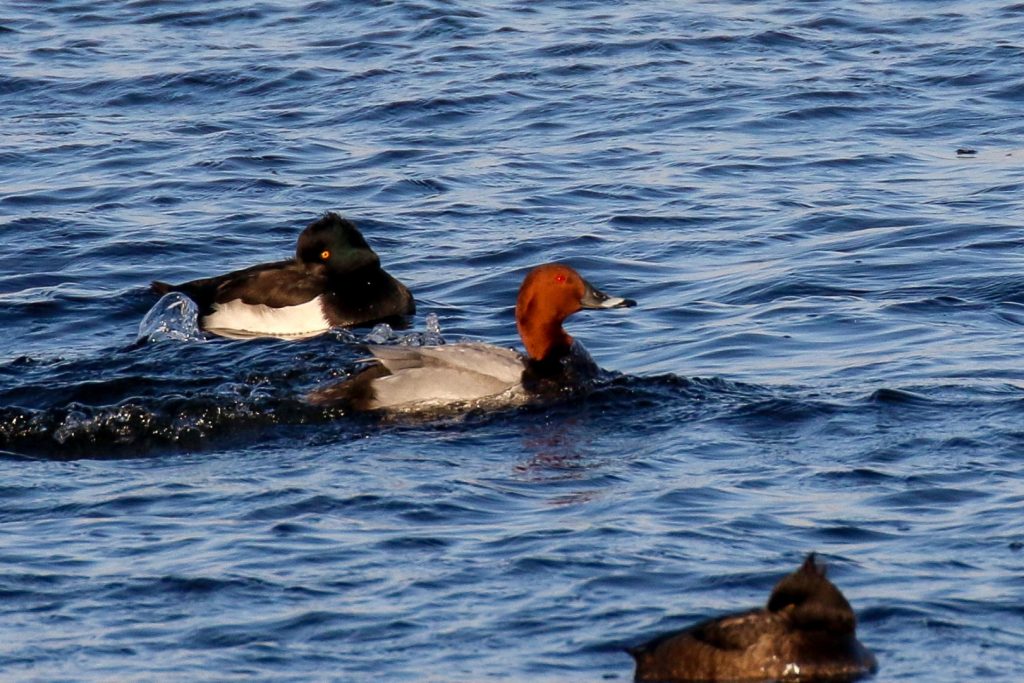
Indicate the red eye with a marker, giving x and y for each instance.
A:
(559, 278)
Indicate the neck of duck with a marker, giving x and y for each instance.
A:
(544, 339)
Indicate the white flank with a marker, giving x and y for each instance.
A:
(240, 320)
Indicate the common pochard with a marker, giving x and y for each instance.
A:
(418, 378)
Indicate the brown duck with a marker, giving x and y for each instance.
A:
(807, 632)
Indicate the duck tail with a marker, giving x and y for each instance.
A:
(161, 288)
(355, 392)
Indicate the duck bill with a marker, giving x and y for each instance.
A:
(595, 298)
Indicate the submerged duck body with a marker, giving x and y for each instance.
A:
(806, 632)
(334, 280)
(420, 378)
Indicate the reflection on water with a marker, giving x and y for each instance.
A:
(558, 452)
(826, 356)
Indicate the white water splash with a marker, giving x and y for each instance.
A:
(380, 334)
(431, 335)
(174, 318)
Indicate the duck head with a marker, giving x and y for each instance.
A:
(550, 293)
(335, 243)
(811, 601)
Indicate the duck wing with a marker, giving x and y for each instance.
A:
(737, 631)
(286, 283)
(427, 375)
(504, 365)
(727, 648)
(282, 283)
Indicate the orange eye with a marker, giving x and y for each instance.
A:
(324, 255)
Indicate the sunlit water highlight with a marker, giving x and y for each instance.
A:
(826, 355)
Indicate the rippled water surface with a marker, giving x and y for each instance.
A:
(826, 355)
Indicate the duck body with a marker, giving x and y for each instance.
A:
(806, 632)
(406, 377)
(334, 280)
(402, 378)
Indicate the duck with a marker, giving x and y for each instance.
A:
(807, 631)
(334, 280)
(408, 378)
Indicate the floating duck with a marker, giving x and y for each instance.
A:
(406, 378)
(807, 632)
(334, 280)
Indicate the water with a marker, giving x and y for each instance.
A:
(826, 355)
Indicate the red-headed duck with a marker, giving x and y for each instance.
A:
(807, 632)
(418, 378)
(334, 280)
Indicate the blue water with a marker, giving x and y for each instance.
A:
(826, 355)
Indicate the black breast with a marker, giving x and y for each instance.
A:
(366, 295)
